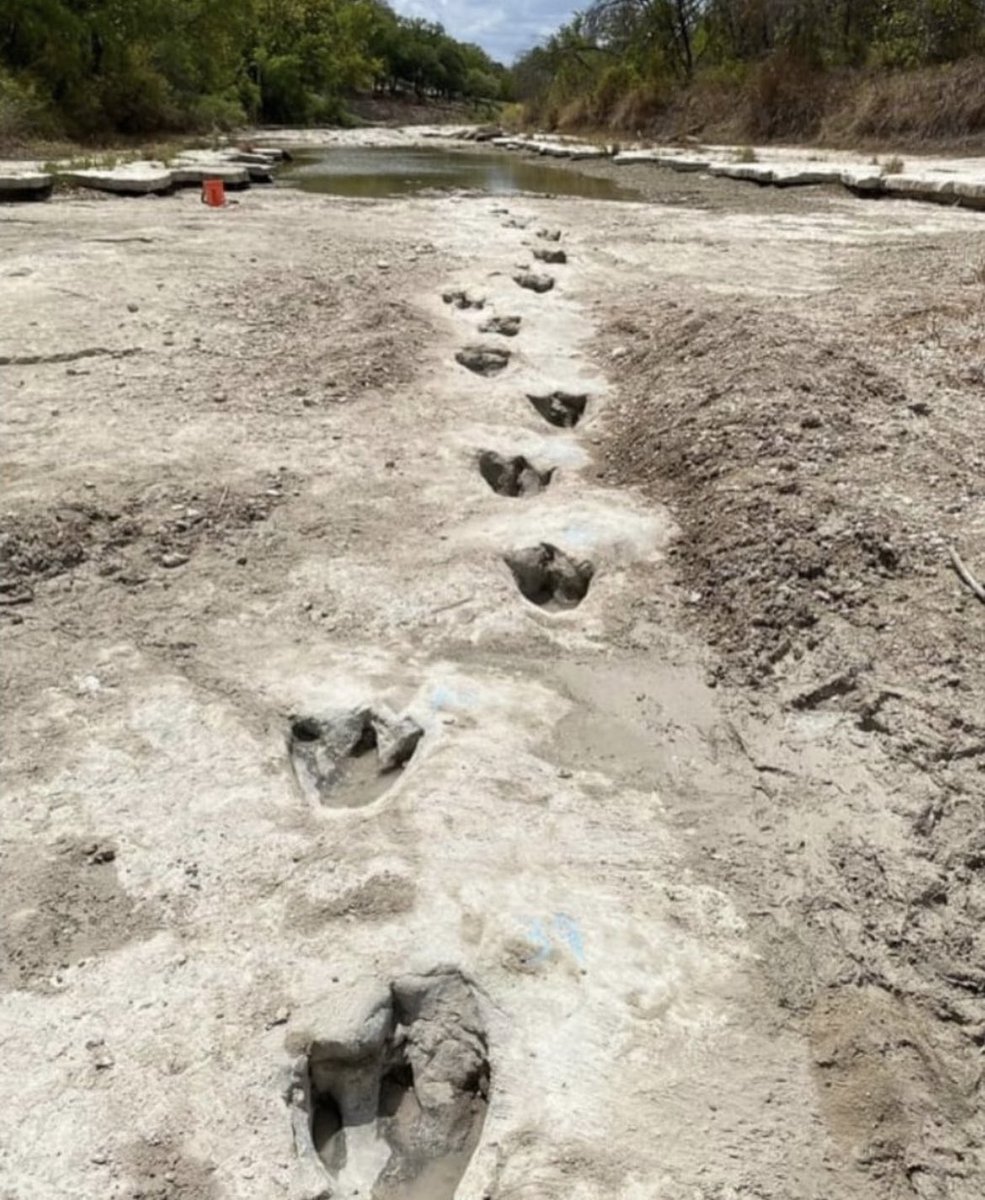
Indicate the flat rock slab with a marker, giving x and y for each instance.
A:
(627, 157)
(250, 157)
(749, 172)
(928, 188)
(970, 193)
(790, 175)
(133, 179)
(863, 179)
(273, 153)
(686, 165)
(260, 172)
(25, 185)
(192, 174)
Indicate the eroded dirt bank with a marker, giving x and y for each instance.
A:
(672, 884)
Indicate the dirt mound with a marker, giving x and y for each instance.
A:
(808, 483)
(747, 423)
(820, 471)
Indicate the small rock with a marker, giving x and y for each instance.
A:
(460, 299)
(506, 326)
(396, 741)
(533, 282)
(483, 360)
(133, 308)
(173, 559)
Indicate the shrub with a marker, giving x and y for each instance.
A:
(787, 98)
(639, 107)
(23, 116)
(215, 112)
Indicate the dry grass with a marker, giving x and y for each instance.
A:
(784, 99)
(939, 104)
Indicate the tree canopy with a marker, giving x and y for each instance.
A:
(652, 47)
(139, 66)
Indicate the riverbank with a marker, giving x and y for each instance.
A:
(694, 809)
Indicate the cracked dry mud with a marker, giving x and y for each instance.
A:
(681, 894)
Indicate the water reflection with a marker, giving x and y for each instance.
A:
(371, 173)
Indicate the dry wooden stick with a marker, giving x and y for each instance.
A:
(966, 576)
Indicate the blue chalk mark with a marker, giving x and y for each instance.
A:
(570, 934)
(577, 535)
(446, 697)
(539, 939)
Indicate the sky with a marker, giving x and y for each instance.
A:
(504, 29)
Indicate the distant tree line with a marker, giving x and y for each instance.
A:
(143, 66)
(636, 55)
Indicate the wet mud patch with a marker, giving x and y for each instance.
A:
(397, 1111)
(549, 578)
(483, 360)
(123, 540)
(885, 1089)
(534, 282)
(505, 326)
(381, 896)
(160, 1170)
(563, 409)
(512, 476)
(62, 904)
(350, 759)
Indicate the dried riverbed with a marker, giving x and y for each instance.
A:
(541, 760)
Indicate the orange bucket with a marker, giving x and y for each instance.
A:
(213, 193)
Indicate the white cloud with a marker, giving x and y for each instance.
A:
(504, 30)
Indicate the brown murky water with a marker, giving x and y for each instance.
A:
(373, 173)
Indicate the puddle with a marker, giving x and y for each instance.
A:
(382, 172)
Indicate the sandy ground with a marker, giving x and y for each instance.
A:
(722, 923)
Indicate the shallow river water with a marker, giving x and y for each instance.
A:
(344, 171)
